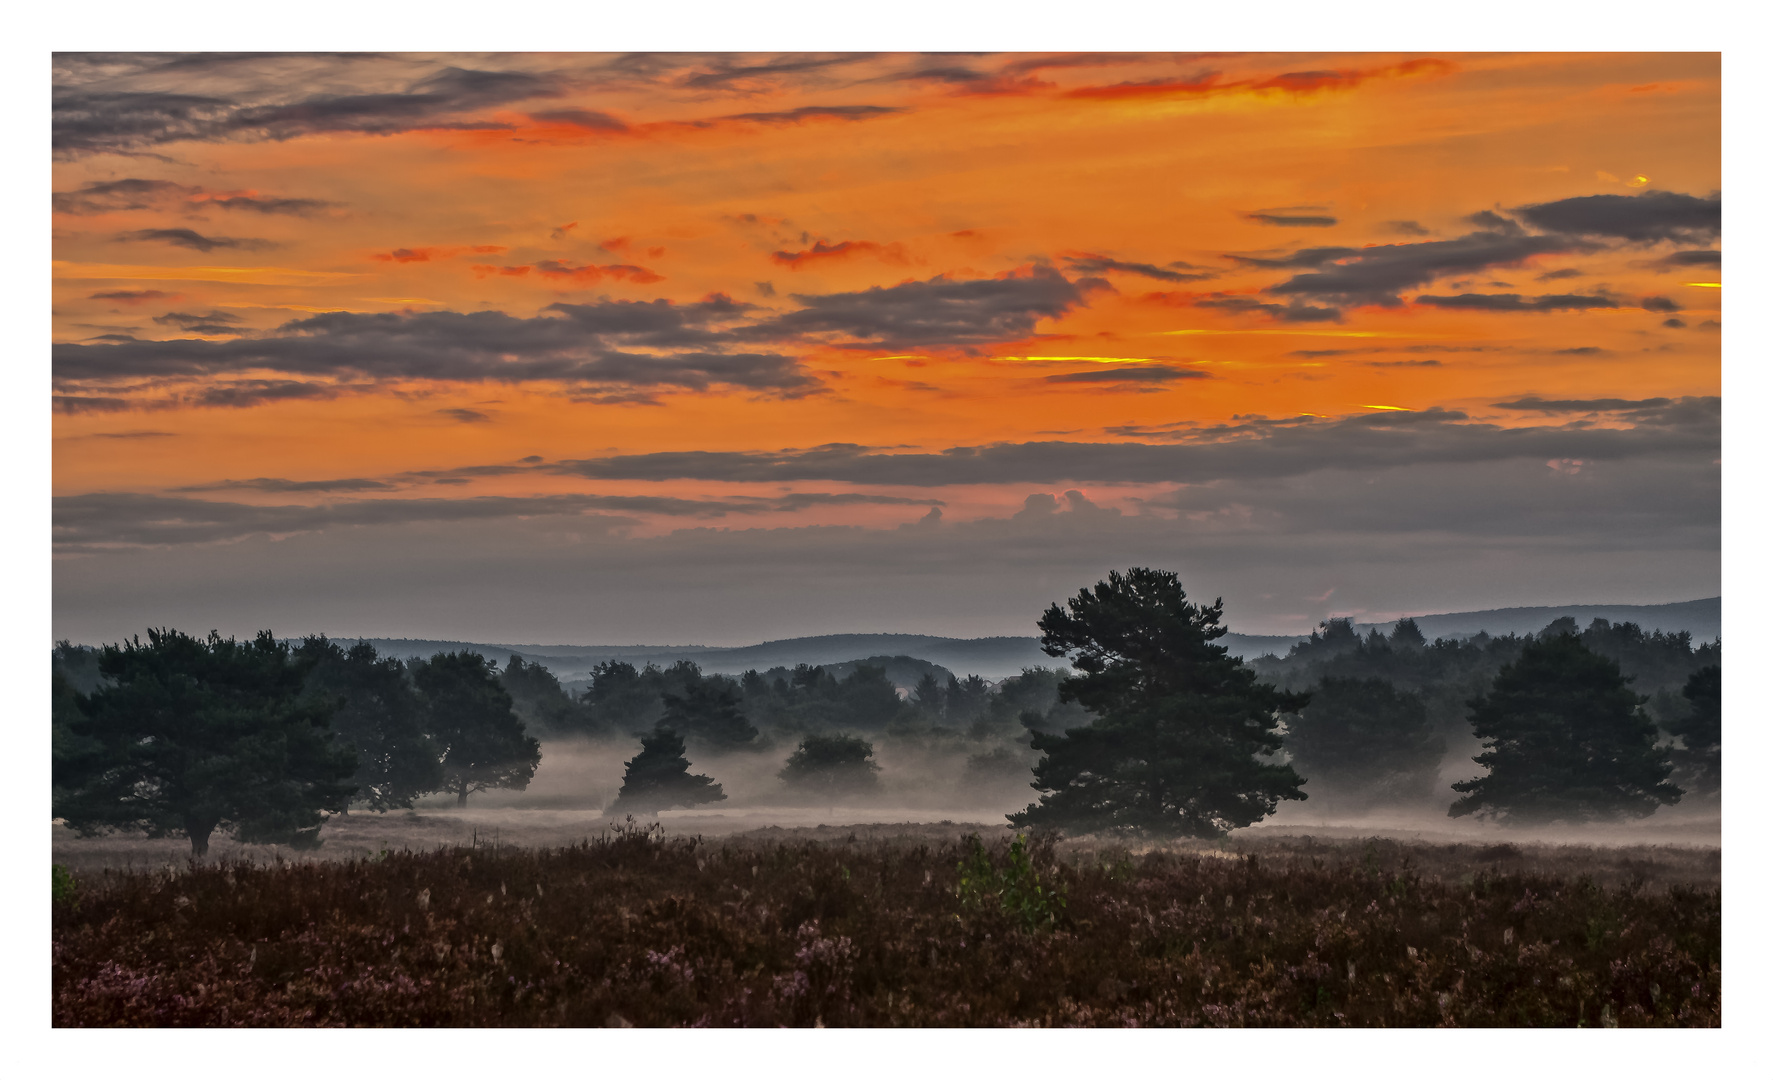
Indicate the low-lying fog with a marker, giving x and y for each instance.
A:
(578, 780)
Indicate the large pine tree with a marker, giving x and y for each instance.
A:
(1565, 740)
(1181, 727)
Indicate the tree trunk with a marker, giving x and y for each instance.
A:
(462, 796)
(199, 834)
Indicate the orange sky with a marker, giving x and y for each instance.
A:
(904, 254)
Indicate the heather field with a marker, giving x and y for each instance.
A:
(902, 925)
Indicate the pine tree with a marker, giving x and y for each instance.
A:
(1180, 725)
(1565, 740)
(658, 778)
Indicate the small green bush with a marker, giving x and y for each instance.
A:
(1015, 889)
(64, 884)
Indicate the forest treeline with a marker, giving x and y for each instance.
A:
(1152, 727)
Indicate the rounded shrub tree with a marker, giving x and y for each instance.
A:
(826, 767)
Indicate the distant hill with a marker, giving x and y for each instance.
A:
(1704, 619)
(999, 657)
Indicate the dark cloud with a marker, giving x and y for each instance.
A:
(1559, 275)
(76, 404)
(107, 519)
(939, 311)
(1434, 536)
(1405, 228)
(133, 435)
(1292, 220)
(281, 486)
(1689, 260)
(1293, 312)
(728, 75)
(1129, 373)
(952, 74)
(1086, 263)
(112, 195)
(1517, 302)
(1674, 324)
(138, 194)
(84, 522)
(91, 120)
(189, 238)
(817, 112)
(246, 393)
(577, 343)
(133, 296)
(213, 323)
(1659, 303)
(1252, 449)
(465, 416)
(1489, 219)
(1536, 404)
(585, 119)
(294, 207)
(1376, 275)
(1642, 218)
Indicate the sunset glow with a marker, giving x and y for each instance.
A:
(528, 347)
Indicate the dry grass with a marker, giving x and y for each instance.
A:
(863, 927)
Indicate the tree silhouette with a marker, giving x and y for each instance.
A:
(709, 711)
(195, 735)
(379, 716)
(658, 778)
(470, 717)
(1364, 740)
(1565, 739)
(1702, 729)
(1180, 724)
(831, 766)
(539, 700)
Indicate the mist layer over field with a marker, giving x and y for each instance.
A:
(919, 786)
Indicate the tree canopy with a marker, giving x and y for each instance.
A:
(1180, 725)
(194, 735)
(379, 717)
(1565, 740)
(1702, 729)
(1364, 741)
(469, 715)
(709, 712)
